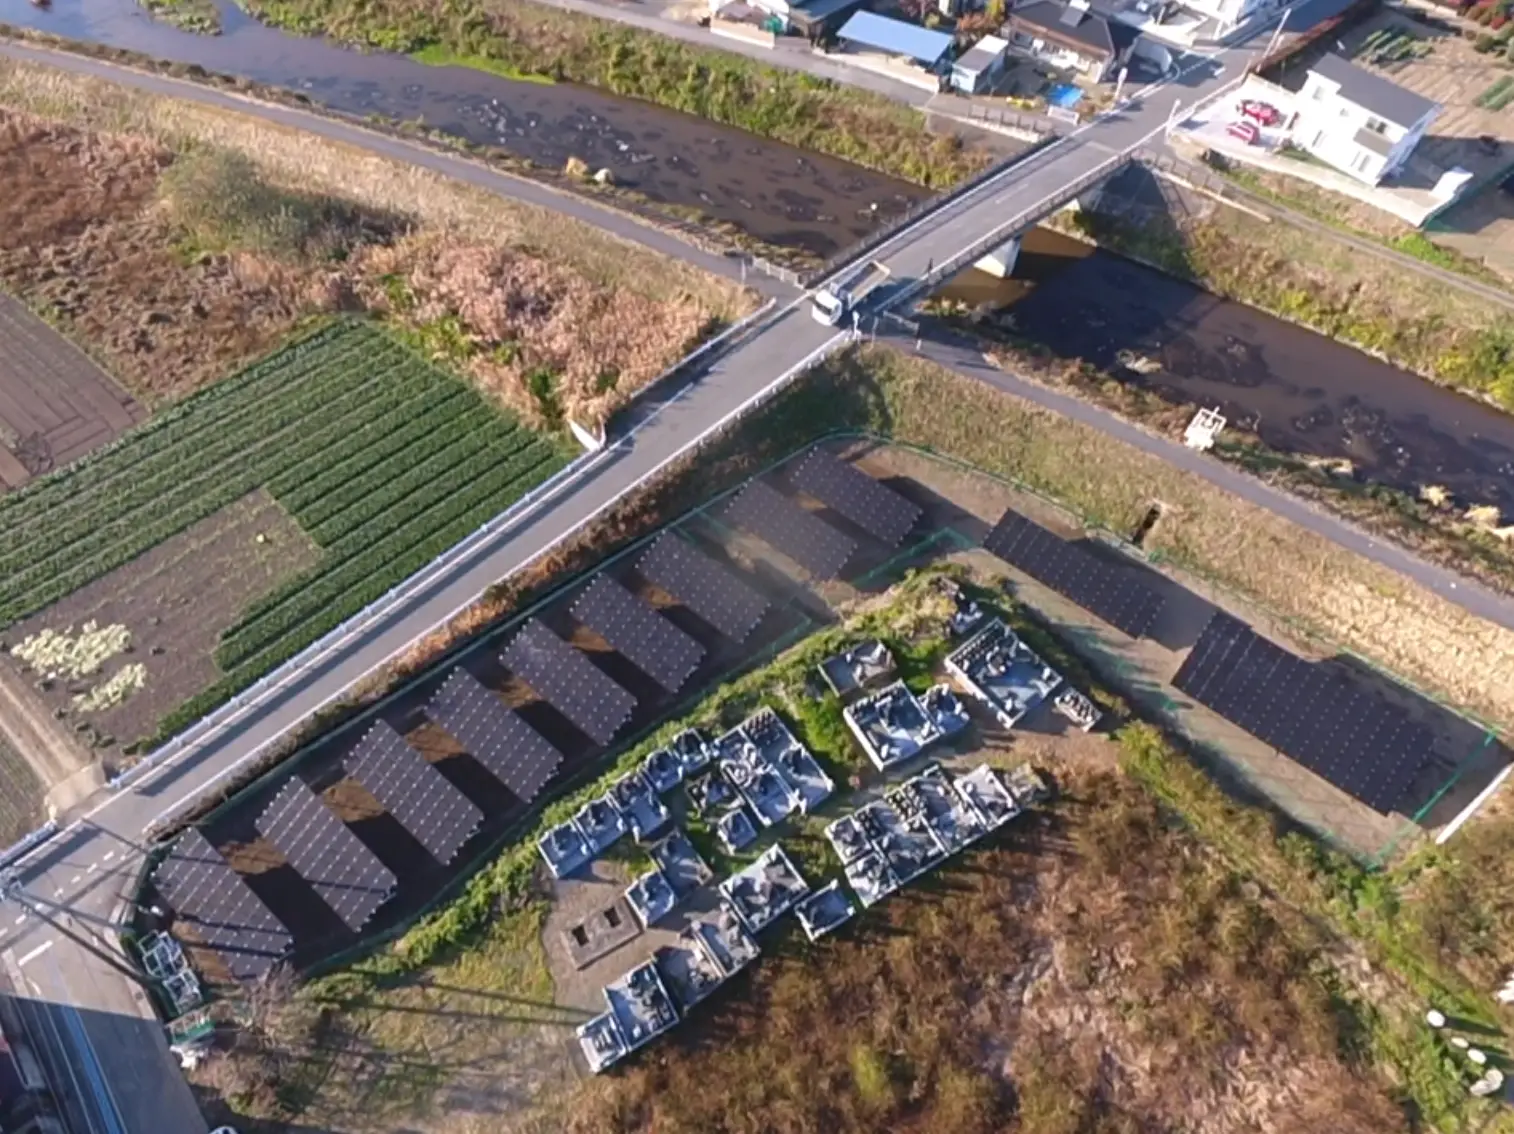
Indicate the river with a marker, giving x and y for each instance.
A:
(1301, 392)
(781, 194)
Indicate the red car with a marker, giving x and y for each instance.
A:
(1262, 113)
(1245, 131)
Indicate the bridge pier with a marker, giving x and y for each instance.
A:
(1001, 261)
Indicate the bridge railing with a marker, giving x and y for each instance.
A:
(920, 209)
(1022, 220)
(210, 726)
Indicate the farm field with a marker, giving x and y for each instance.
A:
(55, 404)
(346, 457)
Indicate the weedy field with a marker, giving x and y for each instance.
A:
(382, 460)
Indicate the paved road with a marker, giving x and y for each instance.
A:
(93, 863)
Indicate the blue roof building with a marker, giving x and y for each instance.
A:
(873, 32)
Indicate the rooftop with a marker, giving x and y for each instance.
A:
(895, 37)
(563, 849)
(601, 1041)
(652, 896)
(1086, 29)
(640, 1004)
(982, 788)
(1372, 92)
(855, 668)
(891, 725)
(643, 813)
(823, 911)
(982, 54)
(599, 823)
(735, 830)
(1003, 672)
(765, 889)
(680, 863)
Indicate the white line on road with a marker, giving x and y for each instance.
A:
(110, 854)
(20, 919)
(37, 952)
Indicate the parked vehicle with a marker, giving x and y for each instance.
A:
(1262, 113)
(1245, 131)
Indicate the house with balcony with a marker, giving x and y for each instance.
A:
(1362, 124)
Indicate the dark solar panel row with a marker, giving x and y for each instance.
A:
(877, 510)
(1102, 588)
(215, 901)
(423, 800)
(569, 682)
(661, 650)
(1361, 743)
(711, 591)
(806, 539)
(345, 873)
(515, 753)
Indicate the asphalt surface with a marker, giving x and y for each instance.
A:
(91, 867)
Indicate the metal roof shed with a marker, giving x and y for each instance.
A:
(895, 37)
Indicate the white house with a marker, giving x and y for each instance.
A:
(976, 69)
(1359, 122)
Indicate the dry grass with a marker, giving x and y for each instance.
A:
(1092, 971)
(176, 241)
(1299, 575)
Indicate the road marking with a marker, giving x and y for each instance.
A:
(37, 952)
(20, 919)
(92, 868)
(74, 881)
(110, 854)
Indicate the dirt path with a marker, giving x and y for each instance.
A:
(26, 726)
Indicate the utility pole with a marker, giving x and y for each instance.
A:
(1119, 85)
(1277, 33)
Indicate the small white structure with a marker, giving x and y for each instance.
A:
(1359, 122)
(1203, 429)
(980, 65)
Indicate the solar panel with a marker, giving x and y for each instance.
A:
(711, 591)
(423, 800)
(806, 539)
(346, 874)
(1071, 569)
(657, 647)
(838, 484)
(1364, 745)
(515, 753)
(570, 682)
(216, 902)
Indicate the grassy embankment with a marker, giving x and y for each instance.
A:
(1103, 904)
(1439, 528)
(1442, 333)
(524, 39)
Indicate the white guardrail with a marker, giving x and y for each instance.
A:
(255, 695)
(251, 697)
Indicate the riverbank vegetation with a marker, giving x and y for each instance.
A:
(531, 39)
(198, 16)
(177, 241)
(1433, 524)
(1442, 333)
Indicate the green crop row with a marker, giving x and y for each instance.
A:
(313, 606)
(466, 426)
(396, 491)
(298, 487)
(177, 429)
(116, 521)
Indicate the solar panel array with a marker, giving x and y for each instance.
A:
(805, 538)
(657, 647)
(345, 873)
(515, 753)
(424, 801)
(708, 589)
(570, 682)
(216, 902)
(1361, 743)
(1073, 570)
(838, 484)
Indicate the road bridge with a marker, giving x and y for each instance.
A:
(85, 872)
